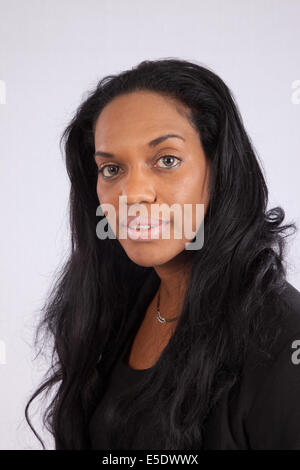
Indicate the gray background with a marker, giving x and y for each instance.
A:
(51, 53)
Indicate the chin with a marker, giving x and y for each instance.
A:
(149, 254)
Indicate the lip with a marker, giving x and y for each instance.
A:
(152, 233)
(133, 221)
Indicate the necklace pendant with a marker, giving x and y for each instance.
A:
(160, 318)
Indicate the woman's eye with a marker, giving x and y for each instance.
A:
(169, 160)
(101, 170)
(112, 170)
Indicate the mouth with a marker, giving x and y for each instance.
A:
(139, 228)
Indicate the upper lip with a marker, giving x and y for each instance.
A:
(133, 220)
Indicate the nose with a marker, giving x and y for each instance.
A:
(138, 187)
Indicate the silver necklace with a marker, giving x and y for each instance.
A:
(159, 317)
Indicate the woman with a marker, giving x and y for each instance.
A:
(158, 345)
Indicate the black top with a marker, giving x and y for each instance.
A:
(262, 411)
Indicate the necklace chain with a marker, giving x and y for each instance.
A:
(159, 317)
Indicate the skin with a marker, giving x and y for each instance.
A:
(124, 128)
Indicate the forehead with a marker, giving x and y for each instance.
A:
(140, 116)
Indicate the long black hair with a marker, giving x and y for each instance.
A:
(242, 260)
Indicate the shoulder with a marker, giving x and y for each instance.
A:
(273, 417)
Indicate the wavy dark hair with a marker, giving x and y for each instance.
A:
(242, 259)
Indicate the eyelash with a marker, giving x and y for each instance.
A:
(114, 165)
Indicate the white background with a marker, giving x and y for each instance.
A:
(51, 53)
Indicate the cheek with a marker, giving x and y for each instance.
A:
(106, 195)
(193, 199)
(109, 206)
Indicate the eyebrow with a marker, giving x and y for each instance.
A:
(152, 143)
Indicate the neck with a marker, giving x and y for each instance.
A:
(174, 276)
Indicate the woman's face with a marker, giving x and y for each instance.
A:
(168, 171)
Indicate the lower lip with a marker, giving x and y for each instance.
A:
(146, 234)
